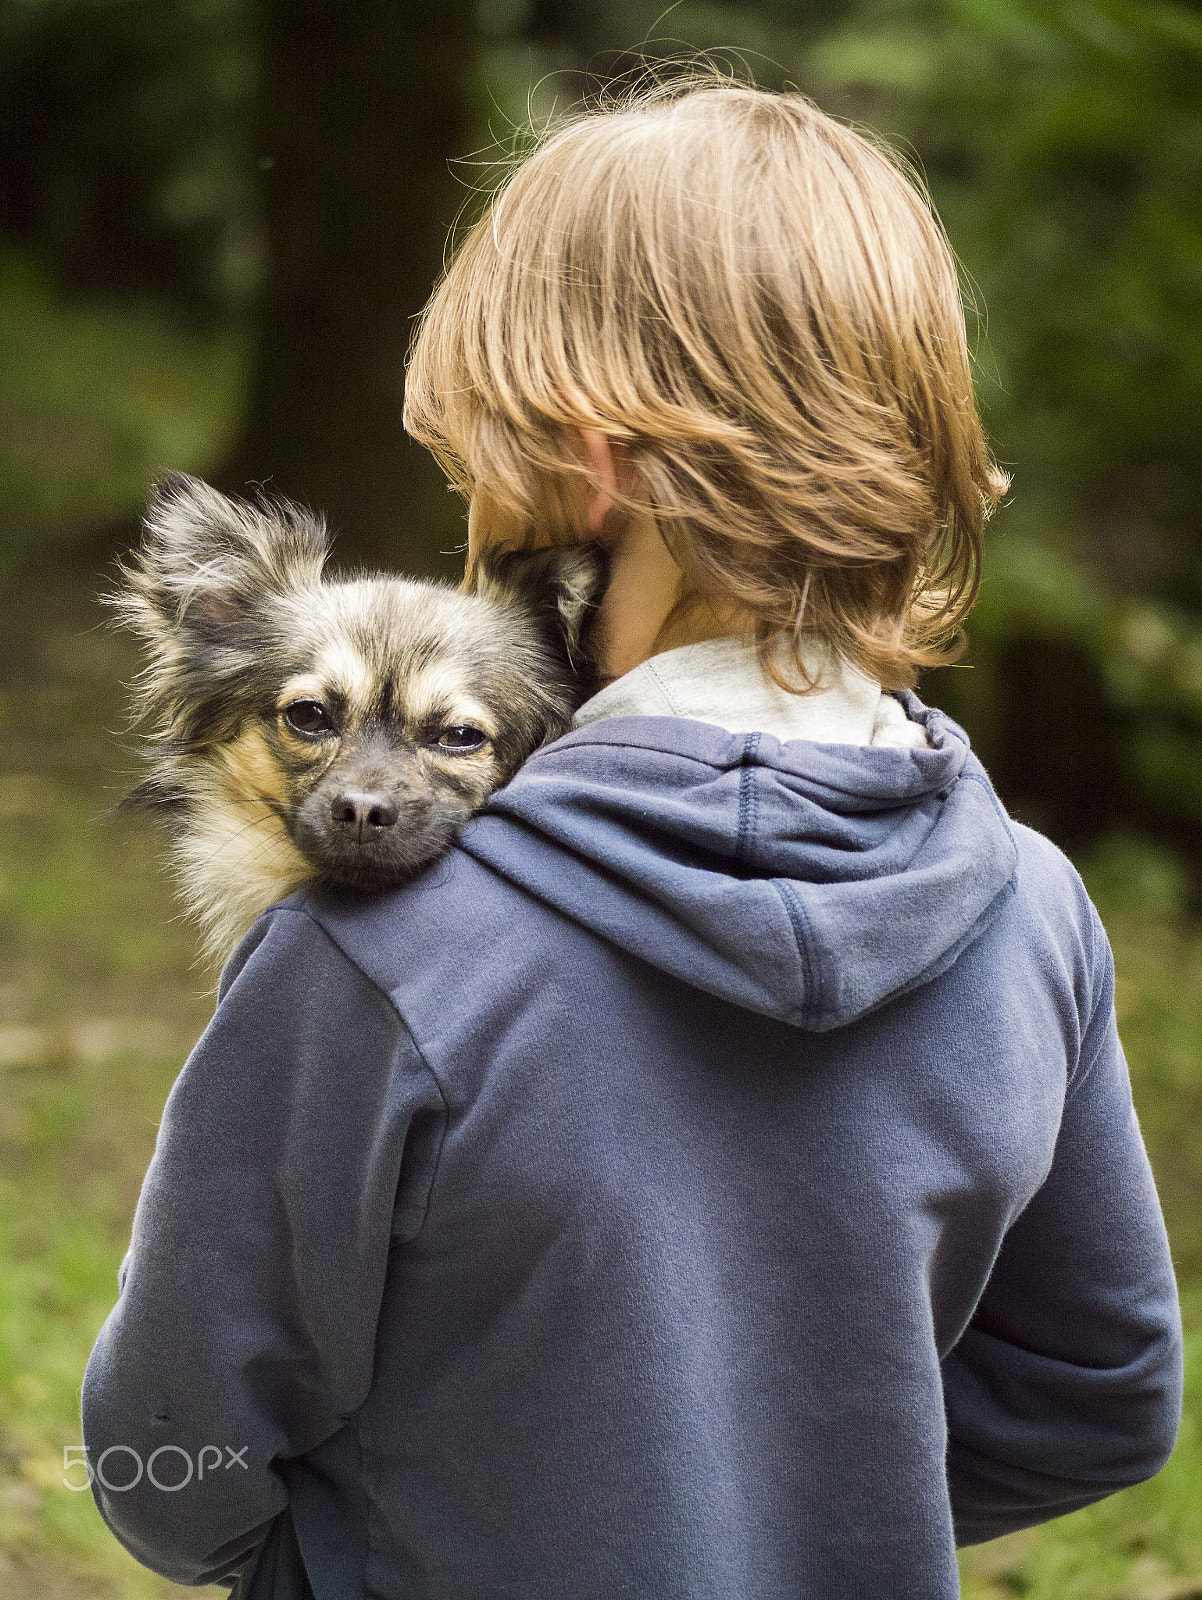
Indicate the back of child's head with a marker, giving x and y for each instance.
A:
(759, 307)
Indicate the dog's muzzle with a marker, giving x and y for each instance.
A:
(374, 838)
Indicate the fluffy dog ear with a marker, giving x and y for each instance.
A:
(193, 594)
(560, 588)
(206, 561)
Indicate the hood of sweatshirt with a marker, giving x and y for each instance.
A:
(810, 882)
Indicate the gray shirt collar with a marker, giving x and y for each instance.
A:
(720, 681)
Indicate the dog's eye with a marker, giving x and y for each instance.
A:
(461, 738)
(309, 717)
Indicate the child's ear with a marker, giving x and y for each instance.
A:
(560, 587)
(600, 454)
(206, 560)
(614, 475)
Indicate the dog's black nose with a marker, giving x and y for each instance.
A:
(362, 813)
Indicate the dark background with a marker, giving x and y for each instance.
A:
(218, 220)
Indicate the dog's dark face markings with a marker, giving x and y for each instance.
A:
(401, 711)
(344, 730)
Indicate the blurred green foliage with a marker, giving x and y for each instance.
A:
(94, 398)
(1062, 144)
(123, 146)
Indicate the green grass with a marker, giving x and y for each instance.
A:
(99, 1004)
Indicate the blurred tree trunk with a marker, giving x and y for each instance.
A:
(361, 105)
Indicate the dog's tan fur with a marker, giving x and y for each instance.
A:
(237, 857)
(414, 701)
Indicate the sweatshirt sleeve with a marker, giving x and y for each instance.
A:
(1066, 1385)
(245, 1327)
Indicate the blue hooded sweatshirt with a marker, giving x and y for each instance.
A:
(715, 1179)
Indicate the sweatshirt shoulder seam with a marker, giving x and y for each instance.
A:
(388, 998)
(807, 949)
(1085, 1065)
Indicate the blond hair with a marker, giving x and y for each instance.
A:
(761, 308)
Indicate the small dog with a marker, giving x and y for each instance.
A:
(309, 727)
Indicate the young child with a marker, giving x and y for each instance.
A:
(717, 1176)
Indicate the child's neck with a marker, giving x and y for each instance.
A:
(647, 608)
